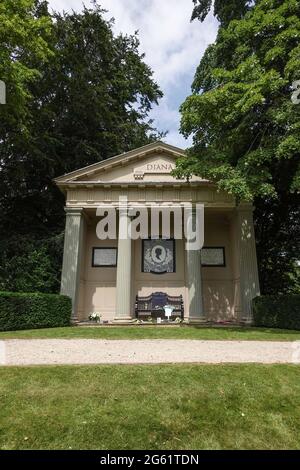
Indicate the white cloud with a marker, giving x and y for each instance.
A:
(172, 44)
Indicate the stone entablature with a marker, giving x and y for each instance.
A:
(90, 197)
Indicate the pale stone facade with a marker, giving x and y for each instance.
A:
(210, 293)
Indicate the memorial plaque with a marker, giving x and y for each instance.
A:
(104, 257)
(213, 256)
(158, 256)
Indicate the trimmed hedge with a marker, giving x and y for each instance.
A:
(22, 311)
(277, 311)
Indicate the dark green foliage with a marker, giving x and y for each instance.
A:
(277, 230)
(277, 311)
(20, 311)
(89, 101)
(245, 126)
(76, 95)
(31, 265)
(224, 10)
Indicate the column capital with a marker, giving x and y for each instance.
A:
(245, 207)
(73, 210)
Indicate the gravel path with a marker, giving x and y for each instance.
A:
(94, 351)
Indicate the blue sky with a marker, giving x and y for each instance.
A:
(172, 44)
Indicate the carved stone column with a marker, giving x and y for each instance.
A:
(70, 278)
(194, 281)
(124, 271)
(249, 282)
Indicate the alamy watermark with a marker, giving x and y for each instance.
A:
(140, 221)
(2, 92)
(296, 93)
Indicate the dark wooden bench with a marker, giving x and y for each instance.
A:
(153, 305)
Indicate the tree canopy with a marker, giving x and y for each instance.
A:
(244, 124)
(245, 127)
(76, 94)
(24, 40)
(224, 10)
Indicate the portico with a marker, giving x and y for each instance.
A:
(217, 283)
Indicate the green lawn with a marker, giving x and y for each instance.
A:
(150, 407)
(152, 332)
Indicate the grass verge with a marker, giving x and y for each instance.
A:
(153, 332)
(150, 407)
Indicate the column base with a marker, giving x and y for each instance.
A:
(123, 320)
(74, 319)
(247, 321)
(195, 320)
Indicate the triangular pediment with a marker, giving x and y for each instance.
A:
(151, 163)
(155, 166)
